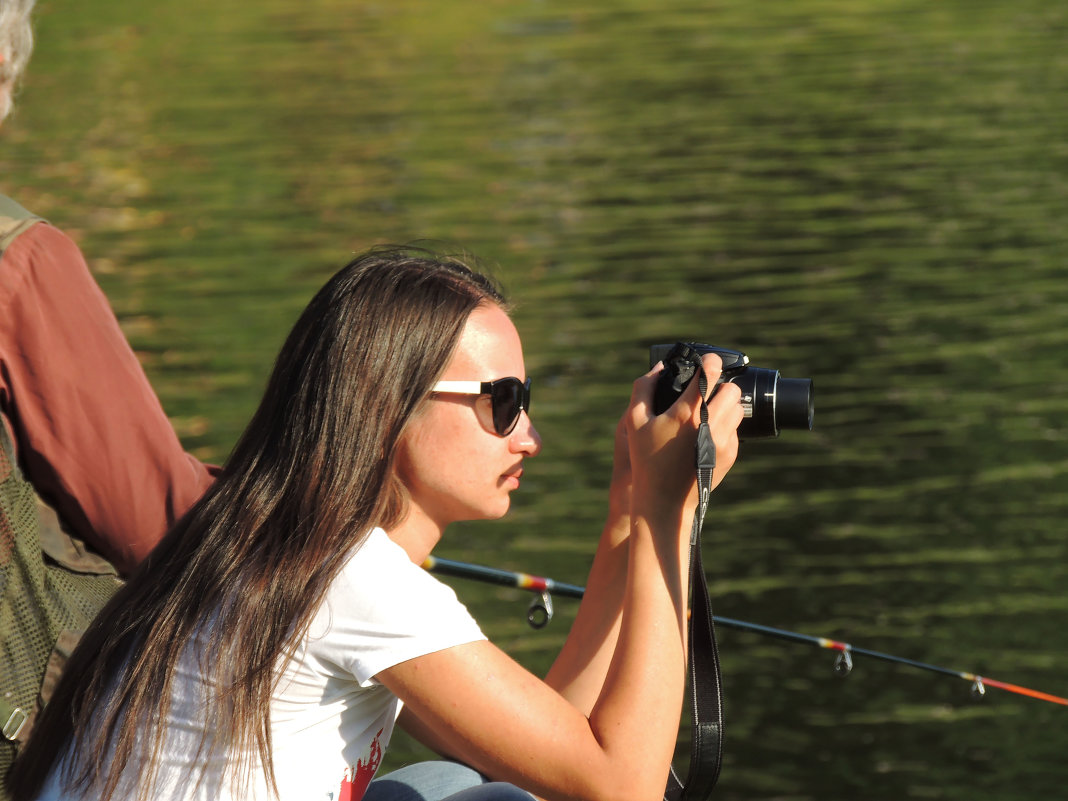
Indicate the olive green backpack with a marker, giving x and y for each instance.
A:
(51, 585)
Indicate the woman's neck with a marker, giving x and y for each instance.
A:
(417, 534)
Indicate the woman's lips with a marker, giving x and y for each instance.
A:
(511, 478)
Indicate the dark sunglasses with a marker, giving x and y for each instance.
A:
(509, 397)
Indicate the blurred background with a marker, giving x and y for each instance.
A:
(870, 194)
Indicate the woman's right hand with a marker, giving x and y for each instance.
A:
(661, 447)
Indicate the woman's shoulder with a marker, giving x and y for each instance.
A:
(379, 580)
(382, 608)
(376, 557)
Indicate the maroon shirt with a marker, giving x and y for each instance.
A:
(91, 434)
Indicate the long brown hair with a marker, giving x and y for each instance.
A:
(251, 561)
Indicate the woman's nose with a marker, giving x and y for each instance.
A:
(525, 438)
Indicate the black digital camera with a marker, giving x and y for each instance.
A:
(771, 402)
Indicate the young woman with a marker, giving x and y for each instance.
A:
(267, 646)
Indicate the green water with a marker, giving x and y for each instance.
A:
(868, 194)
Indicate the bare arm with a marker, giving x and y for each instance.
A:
(613, 734)
(580, 669)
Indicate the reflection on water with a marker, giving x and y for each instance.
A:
(868, 194)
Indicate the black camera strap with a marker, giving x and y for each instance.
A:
(706, 692)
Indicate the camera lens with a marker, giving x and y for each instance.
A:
(794, 406)
(773, 403)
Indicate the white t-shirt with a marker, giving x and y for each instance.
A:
(330, 720)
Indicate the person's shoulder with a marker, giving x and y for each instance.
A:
(34, 243)
(378, 556)
(379, 567)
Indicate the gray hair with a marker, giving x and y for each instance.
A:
(16, 44)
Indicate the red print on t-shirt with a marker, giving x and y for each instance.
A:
(358, 776)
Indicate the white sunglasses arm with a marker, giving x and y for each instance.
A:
(459, 387)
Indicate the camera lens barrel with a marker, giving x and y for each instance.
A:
(773, 403)
(758, 400)
(795, 405)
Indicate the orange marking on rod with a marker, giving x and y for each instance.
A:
(1015, 688)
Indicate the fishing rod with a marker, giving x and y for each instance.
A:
(540, 613)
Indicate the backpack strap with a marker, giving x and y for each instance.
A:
(44, 604)
(14, 220)
(39, 615)
(15, 707)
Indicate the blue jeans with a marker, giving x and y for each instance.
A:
(438, 781)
